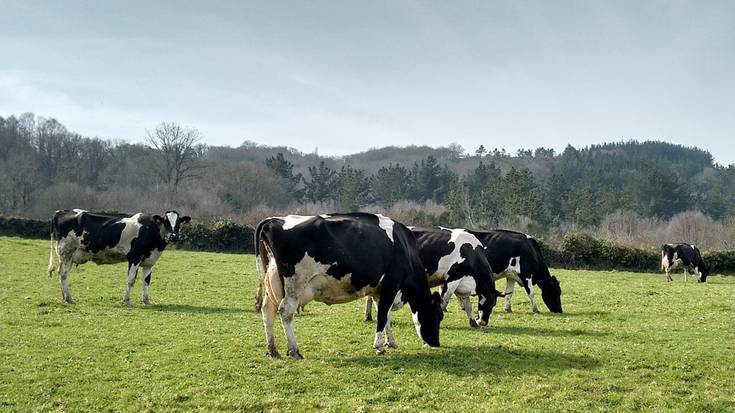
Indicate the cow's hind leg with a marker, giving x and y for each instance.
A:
(64, 276)
(132, 274)
(668, 275)
(269, 310)
(466, 304)
(686, 273)
(147, 274)
(368, 308)
(287, 309)
(510, 285)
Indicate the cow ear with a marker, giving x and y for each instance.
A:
(436, 298)
(185, 219)
(158, 219)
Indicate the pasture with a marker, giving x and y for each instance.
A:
(625, 342)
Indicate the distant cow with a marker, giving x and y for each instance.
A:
(455, 259)
(79, 236)
(336, 259)
(683, 256)
(518, 258)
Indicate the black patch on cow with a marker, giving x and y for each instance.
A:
(147, 278)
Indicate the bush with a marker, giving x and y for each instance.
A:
(25, 228)
(581, 250)
(223, 235)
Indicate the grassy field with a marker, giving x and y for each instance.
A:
(626, 342)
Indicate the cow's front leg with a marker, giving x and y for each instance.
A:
(132, 274)
(147, 274)
(668, 275)
(529, 290)
(64, 276)
(510, 285)
(686, 273)
(466, 304)
(448, 290)
(287, 309)
(390, 341)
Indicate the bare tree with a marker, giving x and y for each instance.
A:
(178, 154)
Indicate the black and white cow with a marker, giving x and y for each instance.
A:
(79, 236)
(455, 260)
(517, 257)
(339, 258)
(683, 256)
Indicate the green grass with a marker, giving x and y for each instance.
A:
(626, 342)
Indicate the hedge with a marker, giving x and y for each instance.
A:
(221, 235)
(576, 251)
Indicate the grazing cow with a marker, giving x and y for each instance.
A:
(79, 236)
(336, 259)
(455, 259)
(518, 258)
(685, 256)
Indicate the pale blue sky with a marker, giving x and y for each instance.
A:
(347, 76)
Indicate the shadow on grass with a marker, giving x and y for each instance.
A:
(192, 309)
(464, 361)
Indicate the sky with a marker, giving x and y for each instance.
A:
(344, 76)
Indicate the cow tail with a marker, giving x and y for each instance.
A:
(262, 256)
(51, 264)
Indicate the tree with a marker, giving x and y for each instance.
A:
(321, 186)
(284, 170)
(390, 184)
(353, 188)
(178, 154)
(480, 151)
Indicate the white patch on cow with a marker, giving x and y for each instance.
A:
(411, 227)
(528, 236)
(316, 284)
(693, 247)
(325, 216)
(459, 237)
(172, 217)
(534, 306)
(387, 225)
(290, 221)
(79, 211)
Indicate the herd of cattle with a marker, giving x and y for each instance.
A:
(338, 258)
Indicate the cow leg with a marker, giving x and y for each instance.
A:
(147, 273)
(269, 310)
(64, 275)
(447, 291)
(384, 305)
(668, 275)
(529, 291)
(686, 273)
(368, 308)
(287, 309)
(390, 341)
(466, 304)
(510, 285)
(132, 274)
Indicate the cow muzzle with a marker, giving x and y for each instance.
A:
(173, 238)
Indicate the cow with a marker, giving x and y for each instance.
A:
(455, 260)
(683, 256)
(79, 236)
(518, 258)
(338, 258)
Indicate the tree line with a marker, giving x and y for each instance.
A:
(44, 166)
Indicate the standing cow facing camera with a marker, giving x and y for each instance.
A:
(336, 259)
(683, 256)
(79, 236)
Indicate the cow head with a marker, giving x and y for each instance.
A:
(551, 294)
(703, 272)
(427, 320)
(170, 224)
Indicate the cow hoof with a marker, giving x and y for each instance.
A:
(535, 310)
(368, 317)
(508, 310)
(295, 354)
(273, 354)
(146, 302)
(392, 344)
(126, 303)
(380, 351)
(473, 324)
(69, 300)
